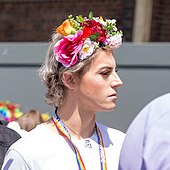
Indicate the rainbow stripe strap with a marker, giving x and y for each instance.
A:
(63, 130)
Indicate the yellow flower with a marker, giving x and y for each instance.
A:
(101, 18)
(66, 28)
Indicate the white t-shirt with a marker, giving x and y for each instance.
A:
(15, 126)
(43, 149)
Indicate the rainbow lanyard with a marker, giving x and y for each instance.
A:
(61, 127)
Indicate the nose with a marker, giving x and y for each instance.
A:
(116, 81)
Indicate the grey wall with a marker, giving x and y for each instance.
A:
(144, 69)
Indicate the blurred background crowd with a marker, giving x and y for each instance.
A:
(21, 122)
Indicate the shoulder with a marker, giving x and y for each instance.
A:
(33, 140)
(109, 129)
(30, 146)
(148, 134)
(165, 98)
(152, 114)
(158, 105)
(116, 136)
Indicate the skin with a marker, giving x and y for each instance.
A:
(94, 91)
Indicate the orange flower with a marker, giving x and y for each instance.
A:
(66, 28)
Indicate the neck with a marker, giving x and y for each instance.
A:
(79, 124)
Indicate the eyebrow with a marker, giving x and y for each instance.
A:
(108, 67)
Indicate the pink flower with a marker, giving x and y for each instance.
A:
(66, 50)
(114, 42)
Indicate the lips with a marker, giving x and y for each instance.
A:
(113, 95)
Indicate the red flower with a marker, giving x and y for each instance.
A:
(91, 27)
(86, 32)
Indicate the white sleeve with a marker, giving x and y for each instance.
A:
(14, 161)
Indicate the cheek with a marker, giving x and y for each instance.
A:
(92, 86)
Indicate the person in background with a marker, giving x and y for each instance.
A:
(18, 120)
(147, 142)
(80, 74)
(30, 120)
(7, 138)
(26, 122)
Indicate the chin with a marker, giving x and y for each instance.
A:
(109, 108)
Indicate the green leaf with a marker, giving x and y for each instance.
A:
(76, 24)
(94, 37)
(90, 15)
(80, 18)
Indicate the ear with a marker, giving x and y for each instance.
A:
(69, 81)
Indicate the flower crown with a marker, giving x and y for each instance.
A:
(82, 36)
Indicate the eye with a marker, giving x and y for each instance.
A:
(105, 73)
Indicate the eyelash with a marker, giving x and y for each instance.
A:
(108, 72)
(105, 72)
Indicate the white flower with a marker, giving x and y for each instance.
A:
(115, 41)
(100, 20)
(111, 21)
(87, 49)
(115, 28)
